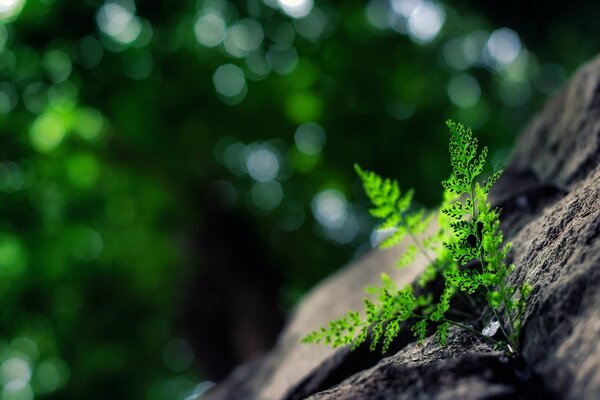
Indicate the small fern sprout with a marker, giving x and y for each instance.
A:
(468, 233)
(477, 235)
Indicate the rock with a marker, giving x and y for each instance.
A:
(551, 212)
(559, 255)
(561, 145)
(428, 371)
(287, 368)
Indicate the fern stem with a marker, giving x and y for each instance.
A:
(499, 322)
(417, 242)
(460, 313)
(473, 331)
(482, 257)
(462, 326)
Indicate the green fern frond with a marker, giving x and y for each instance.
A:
(441, 333)
(394, 238)
(392, 207)
(468, 231)
(420, 330)
(408, 257)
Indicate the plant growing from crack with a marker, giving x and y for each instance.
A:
(466, 252)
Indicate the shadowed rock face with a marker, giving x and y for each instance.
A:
(550, 196)
(429, 371)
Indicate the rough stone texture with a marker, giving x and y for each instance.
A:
(550, 196)
(429, 371)
(562, 145)
(559, 252)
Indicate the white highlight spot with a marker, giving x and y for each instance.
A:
(425, 22)
(209, 29)
(10, 9)
(243, 37)
(503, 46)
(491, 328)
(330, 208)
(118, 20)
(229, 81)
(262, 164)
(296, 8)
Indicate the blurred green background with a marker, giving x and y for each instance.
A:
(175, 175)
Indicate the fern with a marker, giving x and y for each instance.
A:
(468, 233)
(394, 306)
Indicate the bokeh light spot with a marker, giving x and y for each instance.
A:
(47, 132)
(89, 123)
(377, 12)
(332, 211)
(425, 22)
(303, 107)
(57, 65)
(464, 90)
(257, 64)
(282, 33)
(13, 258)
(473, 46)
(313, 26)
(118, 21)
(10, 9)
(282, 59)
(406, 8)
(35, 97)
(262, 163)
(83, 170)
(266, 195)
(243, 37)
(503, 46)
(51, 375)
(233, 158)
(17, 390)
(230, 82)
(454, 55)
(15, 369)
(310, 138)
(86, 244)
(8, 97)
(63, 96)
(514, 94)
(26, 346)
(209, 29)
(296, 8)
(330, 208)
(12, 177)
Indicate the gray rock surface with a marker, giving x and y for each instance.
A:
(559, 255)
(291, 362)
(550, 196)
(429, 371)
